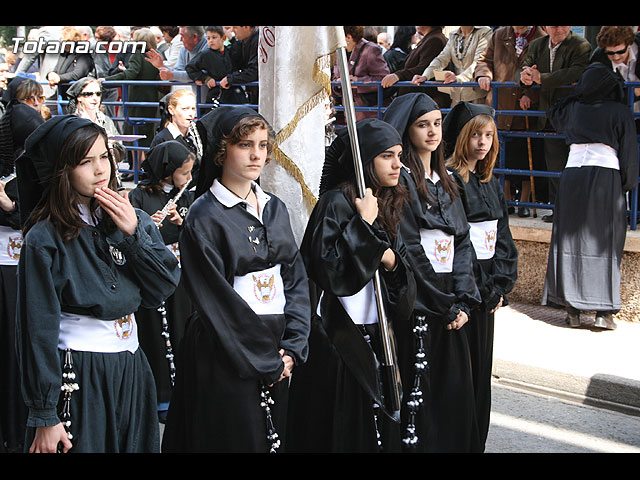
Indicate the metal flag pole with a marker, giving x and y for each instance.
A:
(390, 373)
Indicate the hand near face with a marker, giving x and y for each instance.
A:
(119, 209)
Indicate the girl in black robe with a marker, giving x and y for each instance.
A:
(337, 401)
(590, 218)
(247, 281)
(88, 262)
(168, 175)
(495, 255)
(22, 99)
(438, 414)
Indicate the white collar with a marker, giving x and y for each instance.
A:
(227, 198)
(434, 178)
(173, 129)
(86, 216)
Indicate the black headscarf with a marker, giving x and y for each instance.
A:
(74, 91)
(407, 108)
(212, 128)
(37, 165)
(162, 160)
(598, 83)
(457, 118)
(374, 137)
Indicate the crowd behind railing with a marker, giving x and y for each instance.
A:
(128, 114)
(501, 169)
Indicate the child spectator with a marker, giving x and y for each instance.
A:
(211, 65)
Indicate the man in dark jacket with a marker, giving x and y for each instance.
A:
(558, 59)
(244, 55)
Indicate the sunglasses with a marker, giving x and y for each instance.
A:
(35, 98)
(619, 52)
(89, 94)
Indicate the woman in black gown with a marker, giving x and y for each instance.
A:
(336, 402)
(439, 410)
(590, 219)
(247, 281)
(471, 134)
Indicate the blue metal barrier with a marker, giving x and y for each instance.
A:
(504, 135)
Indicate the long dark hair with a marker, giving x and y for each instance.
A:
(391, 200)
(61, 204)
(411, 159)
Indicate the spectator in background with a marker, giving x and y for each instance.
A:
(104, 62)
(193, 41)
(140, 69)
(384, 41)
(431, 43)
(71, 64)
(366, 64)
(46, 61)
(174, 43)
(87, 35)
(463, 50)
(213, 64)
(618, 48)
(588, 235)
(505, 53)
(397, 53)
(555, 60)
(162, 45)
(244, 55)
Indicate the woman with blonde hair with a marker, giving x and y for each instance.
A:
(472, 129)
(178, 113)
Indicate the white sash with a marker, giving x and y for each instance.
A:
(10, 245)
(87, 334)
(439, 249)
(175, 249)
(483, 237)
(592, 155)
(263, 291)
(362, 307)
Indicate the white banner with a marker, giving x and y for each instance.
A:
(295, 89)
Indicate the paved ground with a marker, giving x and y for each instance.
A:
(535, 348)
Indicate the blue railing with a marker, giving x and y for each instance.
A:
(504, 135)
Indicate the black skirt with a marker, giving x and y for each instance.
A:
(13, 412)
(330, 412)
(587, 241)
(114, 410)
(213, 409)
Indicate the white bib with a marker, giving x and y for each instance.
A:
(10, 245)
(483, 237)
(439, 249)
(175, 249)
(263, 291)
(87, 334)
